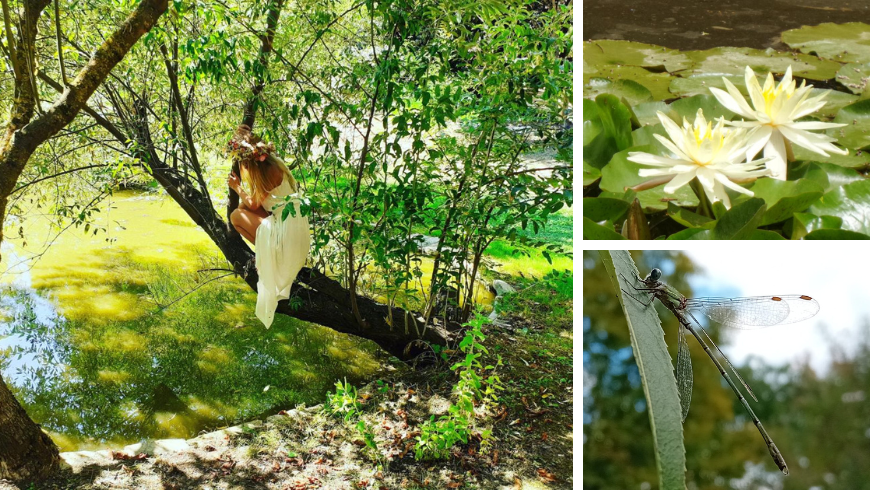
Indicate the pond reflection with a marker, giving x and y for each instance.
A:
(88, 351)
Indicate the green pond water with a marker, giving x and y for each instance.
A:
(88, 350)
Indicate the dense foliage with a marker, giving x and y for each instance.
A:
(402, 119)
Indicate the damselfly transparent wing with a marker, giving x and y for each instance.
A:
(756, 311)
(684, 372)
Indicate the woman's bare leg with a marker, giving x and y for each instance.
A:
(246, 222)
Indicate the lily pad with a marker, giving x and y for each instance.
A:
(856, 133)
(835, 101)
(610, 121)
(604, 209)
(595, 231)
(686, 217)
(827, 175)
(784, 198)
(656, 83)
(851, 203)
(700, 83)
(738, 223)
(689, 106)
(733, 61)
(855, 77)
(627, 90)
(614, 52)
(590, 174)
(805, 223)
(646, 112)
(620, 173)
(848, 42)
(836, 235)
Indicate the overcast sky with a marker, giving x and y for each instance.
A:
(838, 280)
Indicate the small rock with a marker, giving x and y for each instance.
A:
(502, 288)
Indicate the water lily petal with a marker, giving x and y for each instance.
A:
(652, 160)
(775, 150)
(653, 172)
(731, 185)
(754, 90)
(757, 140)
(808, 125)
(674, 131)
(672, 147)
(680, 180)
(805, 139)
(745, 110)
(737, 106)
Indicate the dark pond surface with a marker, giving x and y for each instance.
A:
(691, 24)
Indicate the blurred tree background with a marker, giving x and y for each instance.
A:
(820, 423)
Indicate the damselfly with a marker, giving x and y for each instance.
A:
(756, 311)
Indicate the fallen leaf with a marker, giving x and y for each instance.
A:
(544, 436)
(546, 475)
(518, 485)
(495, 457)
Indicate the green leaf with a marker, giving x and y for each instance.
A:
(604, 209)
(590, 174)
(730, 60)
(784, 198)
(688, 108)
(616, 119)
(610, 122)
(646, 112)
(836, 235)
(656, 372)
(851, 203)
(856, 133)
(805, 223)
(604, 53)
(828, 175)
(594, 231)
(766, 235)
(841, 42)
(686, 217)
(700, 83)
(656, 83)
(855, 77)
(620, 173)
(739, 222)
(628, 90)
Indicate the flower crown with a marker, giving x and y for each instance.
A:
(241, 150)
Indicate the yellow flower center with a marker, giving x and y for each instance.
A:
(772, 93)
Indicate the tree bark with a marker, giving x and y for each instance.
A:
(27, 453)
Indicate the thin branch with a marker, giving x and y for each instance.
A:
(10, 38)
(59, 45)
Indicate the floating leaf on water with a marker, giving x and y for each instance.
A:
(729, 60)
(848, 42)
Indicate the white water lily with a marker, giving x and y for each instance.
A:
(774, 112)
(712, 154)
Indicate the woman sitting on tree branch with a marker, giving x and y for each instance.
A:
(281, 245)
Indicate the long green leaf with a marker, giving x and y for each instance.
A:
(656, 372)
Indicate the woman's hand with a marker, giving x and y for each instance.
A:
(233, 182)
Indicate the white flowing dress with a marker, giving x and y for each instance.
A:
(281, 249)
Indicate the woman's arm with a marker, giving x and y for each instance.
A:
(245, 200)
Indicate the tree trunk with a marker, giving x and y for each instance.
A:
(27, 454)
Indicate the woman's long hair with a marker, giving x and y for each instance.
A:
(255, 157)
